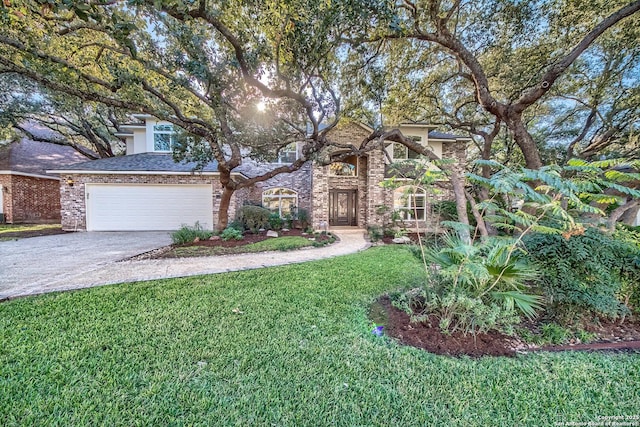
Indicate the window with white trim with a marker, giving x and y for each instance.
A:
(163, 137)
(288, 154)
(401, 152)
(410, 202)
(282, 201)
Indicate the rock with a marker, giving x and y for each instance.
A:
(272, 233)
(284, 230)
(262, 230)
(196, 240)
(215, 238)
(402, 240)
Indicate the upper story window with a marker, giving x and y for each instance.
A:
(401, 152)
(348, 167)
(288, 154)
(163, 137)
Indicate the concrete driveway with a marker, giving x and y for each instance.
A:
(29, 265)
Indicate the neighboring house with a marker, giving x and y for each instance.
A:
(28, 193)
(147, 190)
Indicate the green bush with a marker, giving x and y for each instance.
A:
(275, 222)
(187, 234)
(375, 233)
(473, 287)
(231, 233)
(584, 274)
(253, 217)
(303, 218)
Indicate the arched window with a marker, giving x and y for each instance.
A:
(410, 202)
(348, 167)
(280, 200)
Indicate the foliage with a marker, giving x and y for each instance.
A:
(275, 222)
(231, 233)
(303, 217)
(475, 287)
(584, 272)
(187, 234)
(174, 352)
(323, 239)
(375, 233)
(446, 209)
(253, 217)
(285, 243)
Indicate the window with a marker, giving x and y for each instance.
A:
(410, 202)
(401, 152)
(282, 201)
(288, 154)
(346, 168)
(163, 137)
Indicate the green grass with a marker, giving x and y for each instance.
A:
(287, 243)
(13, 228)
(173, 352)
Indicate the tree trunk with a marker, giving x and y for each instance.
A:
(618, 212)
(457, 182)
(524, 140)
(223, 210)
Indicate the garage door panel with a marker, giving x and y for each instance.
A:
(133, 207)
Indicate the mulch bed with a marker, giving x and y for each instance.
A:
(428, 336)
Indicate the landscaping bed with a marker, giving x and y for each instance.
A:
(251, 242)
(427, 335)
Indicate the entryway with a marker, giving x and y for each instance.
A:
(343, 207)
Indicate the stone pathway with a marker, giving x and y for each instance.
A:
(351, 241)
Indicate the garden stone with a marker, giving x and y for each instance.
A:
(272, 233)
(284, 230)
(402, 240)
(215, 238)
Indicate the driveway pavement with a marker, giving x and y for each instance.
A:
(32, 265)
(73, 261)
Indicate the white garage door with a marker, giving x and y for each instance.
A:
(139, 207)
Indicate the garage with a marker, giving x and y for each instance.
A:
(147, 207)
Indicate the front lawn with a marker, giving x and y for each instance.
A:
(11, 231)
(284, 346)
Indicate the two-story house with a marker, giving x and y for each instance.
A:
(146, 190)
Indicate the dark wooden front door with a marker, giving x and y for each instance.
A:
(343, 206)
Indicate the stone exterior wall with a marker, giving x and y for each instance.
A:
(73, 200)
(298, 181)
(29, 199)
(323, 182)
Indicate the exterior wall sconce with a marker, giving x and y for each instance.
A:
(70, 182)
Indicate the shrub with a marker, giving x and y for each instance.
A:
(375, 233)
(473, 287)
(253, 217)
(303, 218)
(187, 234)
(231, 233)
(275, 222)
(584, 274)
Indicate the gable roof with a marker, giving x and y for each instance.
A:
(30, 157)
(141, 163)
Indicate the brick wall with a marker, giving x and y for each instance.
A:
(298, 181)
(30, 199)
(322, 181)
(73, 197)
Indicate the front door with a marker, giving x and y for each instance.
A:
(343, 207)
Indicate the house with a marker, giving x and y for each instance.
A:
(147, 190)
(28, 193)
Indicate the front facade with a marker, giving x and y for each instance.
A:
(147, 190)
(28, 194)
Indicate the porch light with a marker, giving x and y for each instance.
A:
(70, 182)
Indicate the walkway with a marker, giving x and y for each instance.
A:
(351, 241)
